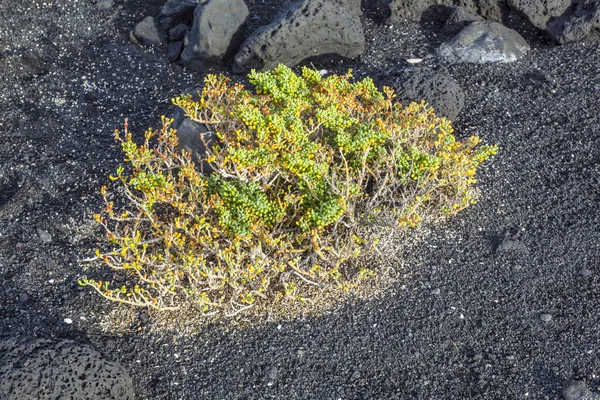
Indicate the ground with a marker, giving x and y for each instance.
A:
(465, 317)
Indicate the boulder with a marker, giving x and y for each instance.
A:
(413, 10)
(174, 50)
(435, 86)
(484, 42)
(540, 12)
(576, 23)
(305, 29)
(146, 32)
(217, 32)
(45, 369)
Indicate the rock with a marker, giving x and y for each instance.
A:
(147, 32)
(44, 236)
(190, 134)
(546, 317)
(178, 32)
(23, 298)
(540, 12)
(484, 42)
(435, 86)
(509, 244)
(459, 18)
(104, 4)
(217, 32)
(422, 10)
(174, 50)
(271, 373)
(45, 369)
(586, 272)
(577, 23)
(175, 12)
(305, 29)
(577, 390)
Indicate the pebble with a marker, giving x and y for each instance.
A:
(44, 236)
(68, 321)
(356, 375)
(271, 372)
(435, 291)
(144, 317)
(546, 317)
(23, 297)
(586, 272)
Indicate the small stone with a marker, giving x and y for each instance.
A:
(478, 357)
(356, 375)
(144, 318)
(435, 291)
(271, 372)
(546, 317)
(23, 298)
(68, 321)
(147, 32)
(178, 32)
(104, 4)
(586, 272)
(575, 391)
(44, 236)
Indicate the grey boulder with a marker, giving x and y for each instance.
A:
(217, 32)
(484, 42)
(44, 369)
(435, 86)
(305, 29)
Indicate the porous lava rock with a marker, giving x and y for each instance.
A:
(413, 10)
(540, 12)
(434, 85)
(484, 42)
(305, 29)
(217, 32)
(575, 24)
(46, 369)
(459, 18)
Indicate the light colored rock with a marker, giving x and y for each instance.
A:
(484, 42)
(217, 31)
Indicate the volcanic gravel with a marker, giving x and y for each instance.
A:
(501, 302)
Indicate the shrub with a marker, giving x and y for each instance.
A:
(299, 167)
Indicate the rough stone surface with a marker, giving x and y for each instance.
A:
(305, 29)
(175, 12)
(459, 18)
(435, 86)
(147, 32)
(45, 369)
(178, 32)
(174, 50)
(540, 12)
(217, 32)
(190, 134)
(415, 10)
(483, 42)
(577, 23)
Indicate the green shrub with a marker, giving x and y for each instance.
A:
(299, 167)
